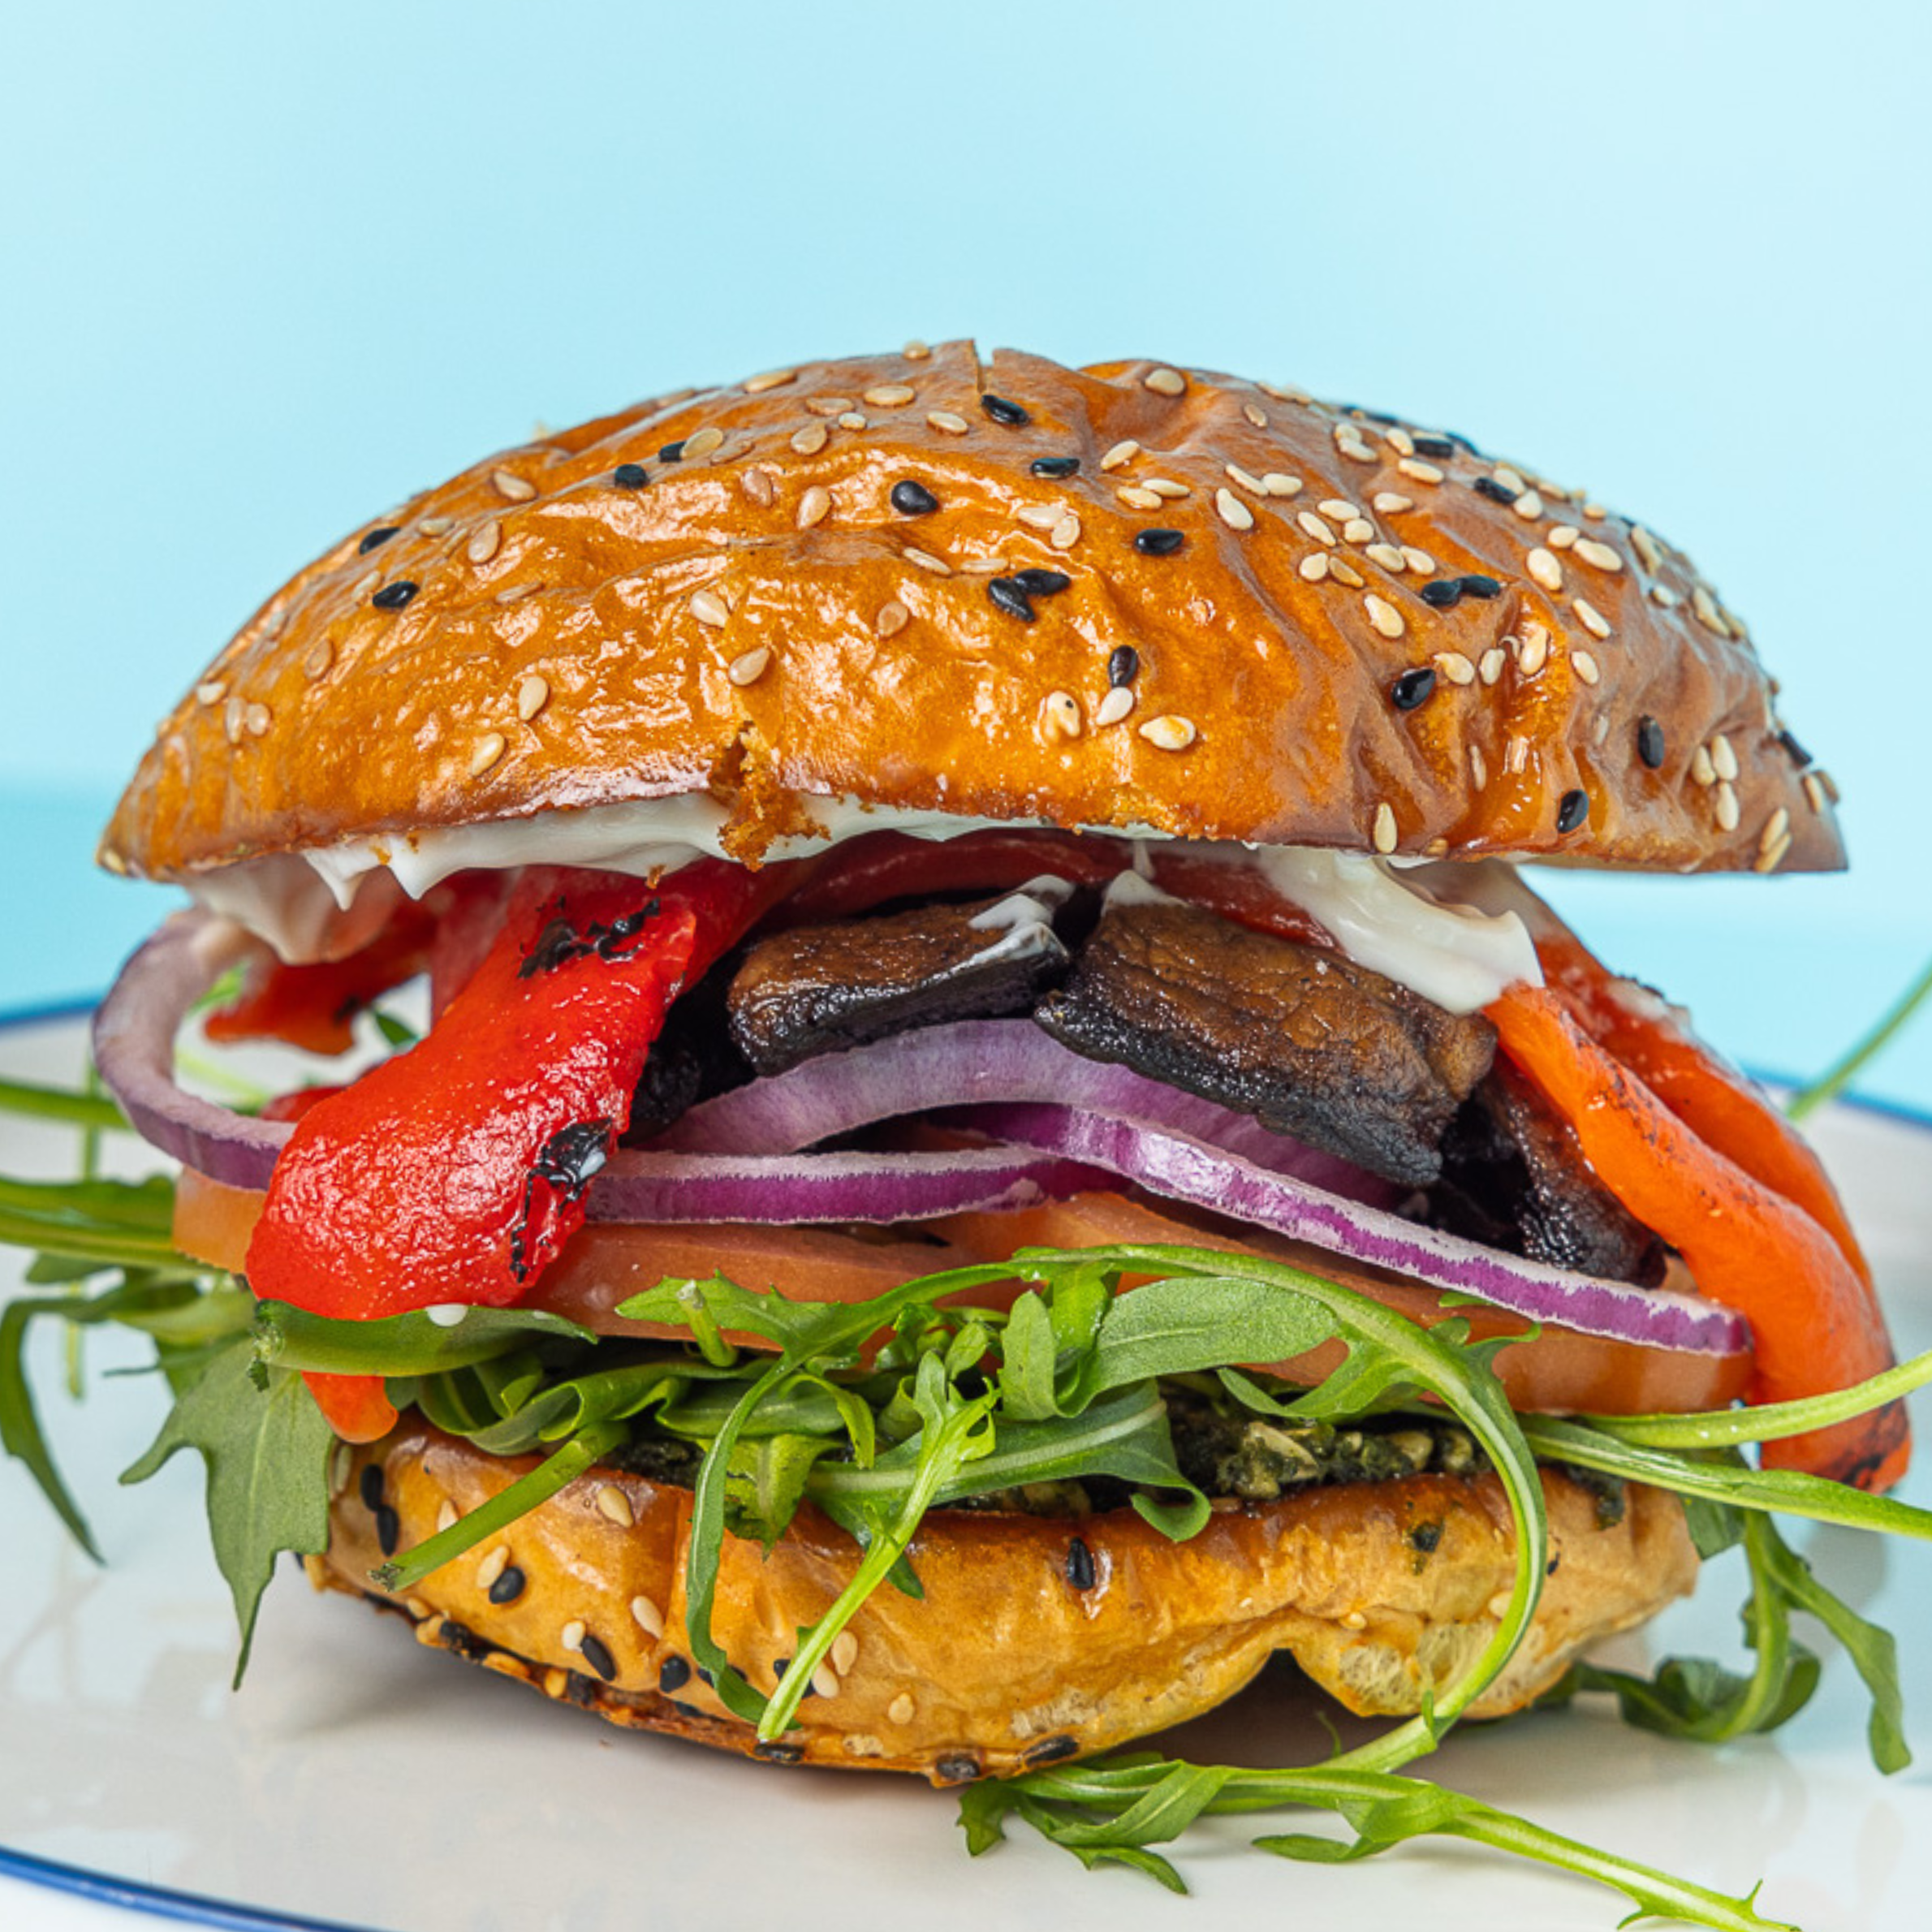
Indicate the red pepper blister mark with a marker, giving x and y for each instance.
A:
(455, 1172)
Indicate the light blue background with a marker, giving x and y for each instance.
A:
(267, 268)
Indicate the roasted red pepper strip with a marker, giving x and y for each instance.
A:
(455, 1172)
(1722, 1108)
(1815, 1324)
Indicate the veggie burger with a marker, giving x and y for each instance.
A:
(1001, 1135)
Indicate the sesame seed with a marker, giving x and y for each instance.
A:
(1386, 835)
(1455, 667)
(1444, 594)
(598, 1655)
(888, 395)
(1648, 550)
(493, 1566)
(389, 1529)
(1158, 542)
(1358, 529)
(1435, 446)
(852, 420)
(1595, 512)
(630, 476)
(1528, 505)
(374, 539)
(708, 608)
(1401, 442)
(673, 1674)
(1772, 856)
(1244, 480)
(703, 443)
(1572, 809)
(1727, 810)
(1114, 706)
(232, 713)
(1233, 512)
(1081, 1572)
(486, 750)
(571, 1635)
(1545, 569)
(1411, 688)
(1065, 534)
(647, 1616)
(210, 690)
(1165, 383)
(1276, 484)
(507, 1585)
(1600, 554)
(1419, 561)
(393, 597)
(1535, 649)
(1515, 754)
(1592, 620)
(1384, 615)
(756, 385)
(1255, 414)
(1169, 733)
(1422, 472)
(1314, 567)
(1490, 668)
(824, 1681)
(760, 486)
(532, 694)
(1497, 493)
(1009, 415)
(844, 1653)
(1479, 770)
(510, 486)
(1121, 452)
(1063, 714)
(1340, 509)
(1774, 828)
(1316, 527)
(947, 422)
(811, 439)
(321, 655)
(1054, 465)
(1009, 596)
(1723, 759)
(1705, 606)
(1344, 572)
(1563, 535)
(369, 1485)
(902, 1710)
(913, 499)
(446, 1516)
(1649, 741)
(1136, 499)
(828, 405)
(1702, 771)
(1390, 558)
(1661, 594)
(614, 1505)
(926, 561)
(1041, 516)
(749, 667)
(1814, 792)
(672, 452)
(1166, 487)
(892, 619)
(1511, 478)
(814, 506)
(484, 541)
(916, 350)
(1388, 503)
(1584, 665)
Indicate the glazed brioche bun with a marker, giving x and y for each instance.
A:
(1283, 621)
(1022, 1651)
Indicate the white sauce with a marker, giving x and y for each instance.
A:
(1417, 925)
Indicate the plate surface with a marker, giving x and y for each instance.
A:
(360, 1779)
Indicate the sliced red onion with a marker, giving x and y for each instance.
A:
(976, 1062)
(1183, 1170)
(134, 1048)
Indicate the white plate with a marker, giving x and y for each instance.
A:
(359, 1778)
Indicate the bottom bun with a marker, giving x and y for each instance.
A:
(1038, 1638)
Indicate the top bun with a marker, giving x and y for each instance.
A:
(1131, 596)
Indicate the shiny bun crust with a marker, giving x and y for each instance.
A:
(1129, 595)
(1037, 1639)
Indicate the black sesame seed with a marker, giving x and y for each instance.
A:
(1497, 493)
(673, 1674)
(598, 1655)
(1442, 594)
(913, 499)
(389, 1528)
(1368, 415)
(1158, 543)
(370, 1485)
(1550, 1568)
(1009, 597)
(578, 1690)
(1411, 688)
(1462, 442)
(630, 476)
(672, 452)
(960, 1770)
(781, 1665)
(1123, 665)
(1434, 446)
(393, 597)
(375, 539)
(1041, 583)
(508, 1586)
(1424, 1537)
(460, 1640)
(1483, 586)
(1080, 1572)
(1003, 411)
(1572, 810)
(774, 1753)
(1799, 754)
(1050, 1750)
(1650, 742)
(1054, 465)
(704, 1676)
(686, 1710)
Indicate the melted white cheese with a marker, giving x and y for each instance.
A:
(1418, 925)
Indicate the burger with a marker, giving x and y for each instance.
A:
(1001, 1135)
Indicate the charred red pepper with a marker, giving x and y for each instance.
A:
(455, 1172)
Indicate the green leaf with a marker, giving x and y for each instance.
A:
(288, 1337)
(266, 1448)
(1842, 1072)
(765, 1481)
(72, 1105)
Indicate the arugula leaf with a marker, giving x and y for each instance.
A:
(415, 1344)
(266, 1448)
(1836, 1078)
(70, 1104)
(766, 1481)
